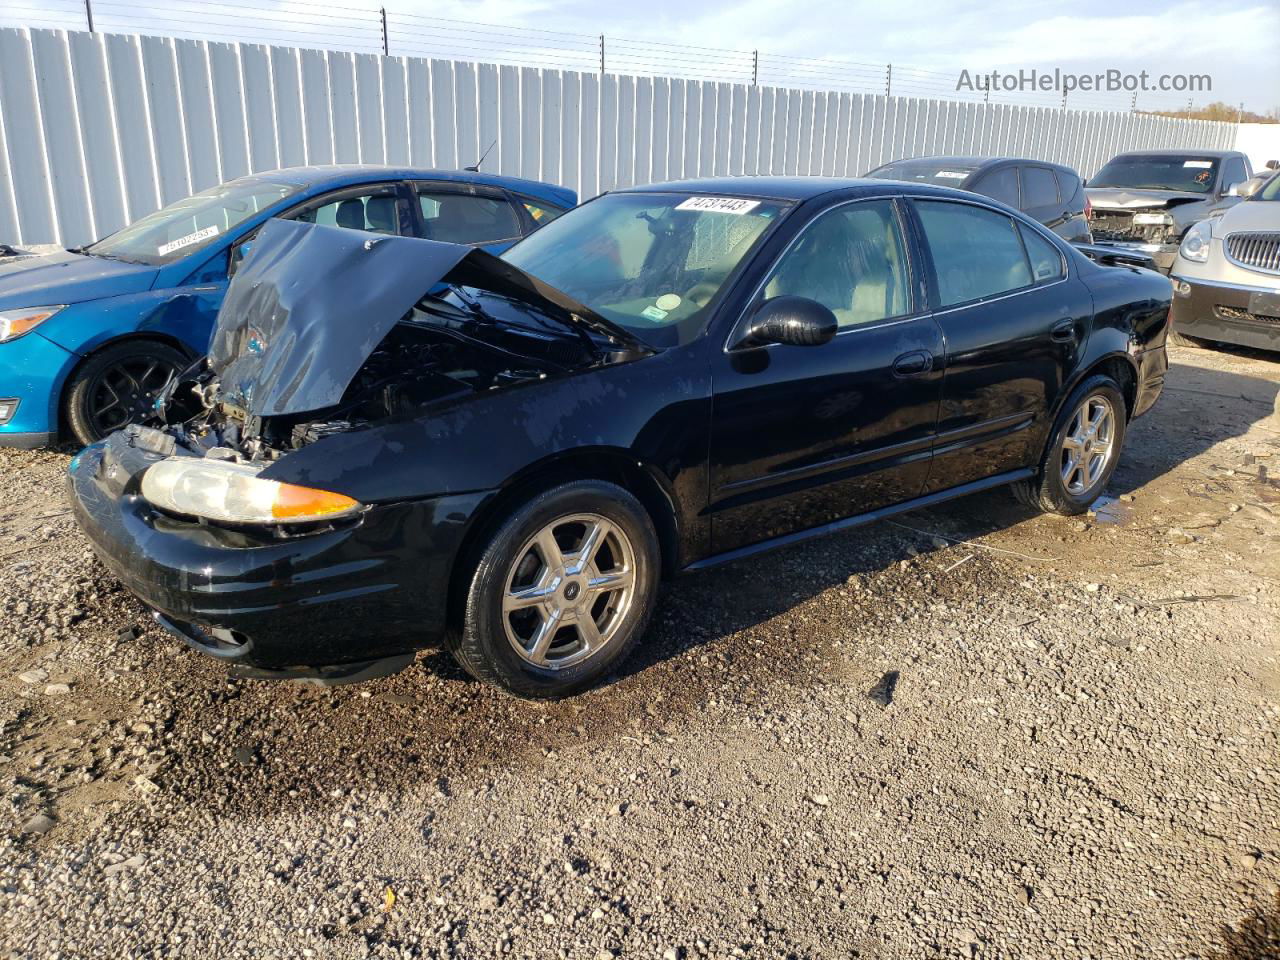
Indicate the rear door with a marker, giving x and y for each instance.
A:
(1040, 198)
(1014, 321)
(1075, 225)
(803, 436)
(472, 214)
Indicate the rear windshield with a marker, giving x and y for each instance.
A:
(935, 171)
(1183, 174)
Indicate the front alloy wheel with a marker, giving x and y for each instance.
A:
(560, 591)
(569, 590)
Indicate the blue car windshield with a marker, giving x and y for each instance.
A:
(649, 262)
(185, 227)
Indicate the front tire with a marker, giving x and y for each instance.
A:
(117, 386)
(1178, 339)
(561, 593)
(1082, 452)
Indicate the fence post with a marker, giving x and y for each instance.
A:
(888, 81)
(602, 53)
(88, 14)
(386, 47)
(755, 68)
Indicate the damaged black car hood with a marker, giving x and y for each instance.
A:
(311, 303)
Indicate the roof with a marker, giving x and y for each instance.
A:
(975, 163)
(796, 188)
(345, 174)
(1209, 154)
(763, 188)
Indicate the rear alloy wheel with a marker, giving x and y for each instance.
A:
(1082, 452)
(118, 386)
(561, 592)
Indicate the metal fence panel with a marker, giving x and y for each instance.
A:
(97, 130)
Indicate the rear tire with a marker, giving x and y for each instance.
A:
(549, 610)
(1083, 450)
(117, 386)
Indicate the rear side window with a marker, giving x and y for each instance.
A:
(1000, 185)
(1068, 185)
(976, 252)
(542, 213)
(466, 218)
(1039, 188)
(1046, 260)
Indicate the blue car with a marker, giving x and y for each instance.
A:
(89, 335)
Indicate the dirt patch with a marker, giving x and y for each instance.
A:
(1075, 755)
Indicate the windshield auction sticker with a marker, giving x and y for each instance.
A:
(188, 240)
(734, 205)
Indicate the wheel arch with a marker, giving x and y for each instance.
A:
(69, 375)
(613, 465)
(1119, 366)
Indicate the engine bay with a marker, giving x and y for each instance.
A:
(424, 361)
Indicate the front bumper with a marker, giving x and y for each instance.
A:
(374, 589)
(1162, 253)
(1228, 312)
(32, 370)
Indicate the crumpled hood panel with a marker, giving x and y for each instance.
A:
(1119, 198)
(311, 303)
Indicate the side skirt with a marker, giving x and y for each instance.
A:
(786, 540)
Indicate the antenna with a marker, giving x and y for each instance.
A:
(483, 157)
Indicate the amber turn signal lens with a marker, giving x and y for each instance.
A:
(303, 503)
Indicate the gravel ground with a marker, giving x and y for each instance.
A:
(971, 732)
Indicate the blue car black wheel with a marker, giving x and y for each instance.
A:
(118, 386)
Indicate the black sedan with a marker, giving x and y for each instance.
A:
(395, 442)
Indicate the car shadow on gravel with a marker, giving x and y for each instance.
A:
(1256, 937)
(731, 633)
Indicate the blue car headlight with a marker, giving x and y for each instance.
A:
(14, 323)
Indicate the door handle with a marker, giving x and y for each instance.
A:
(1064, 331)
(913, 364)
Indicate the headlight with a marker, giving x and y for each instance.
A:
(1152, 219)
(234, 493)
(1195, 245)
(14, 323)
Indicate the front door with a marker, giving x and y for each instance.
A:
(803, 436)
(1014, 322)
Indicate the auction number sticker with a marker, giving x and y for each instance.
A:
(734, 205)
(188, 240)
(951, 174)
(1198, 164)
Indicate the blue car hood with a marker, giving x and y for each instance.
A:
(42, 276)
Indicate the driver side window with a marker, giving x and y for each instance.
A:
(852, 260)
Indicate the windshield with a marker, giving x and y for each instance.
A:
(937, 171)
(1184, 174)
(191, 224)
(1270, 190)
(649, 262)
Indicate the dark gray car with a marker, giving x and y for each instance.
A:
(1048, 192)
(1146, 201)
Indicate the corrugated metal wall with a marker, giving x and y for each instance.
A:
(99, 129)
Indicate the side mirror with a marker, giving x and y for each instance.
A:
(793, 321)
(1233, 190)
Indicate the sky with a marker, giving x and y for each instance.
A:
(929, 42)
(1235, 41)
